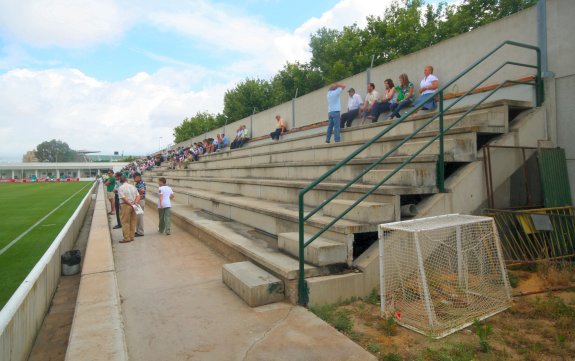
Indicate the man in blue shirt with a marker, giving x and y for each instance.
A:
(333, 111)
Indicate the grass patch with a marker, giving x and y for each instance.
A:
(24, 205)
(450, 352)
(338, 318)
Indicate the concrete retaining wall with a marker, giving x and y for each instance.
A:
(97, 329)
(22, 317)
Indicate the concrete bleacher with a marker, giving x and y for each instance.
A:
(243, 202)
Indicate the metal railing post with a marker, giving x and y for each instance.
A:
(293, 109)
(538, 81)
(440, 164)
(302, 289)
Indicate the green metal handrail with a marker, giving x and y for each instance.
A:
(539, 96)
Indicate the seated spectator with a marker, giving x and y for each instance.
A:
(370, 106)
(404, 96)
(242, 136)
(353, 105)
(427, 88)
(389, 97)
(281, 127)
(222, 142)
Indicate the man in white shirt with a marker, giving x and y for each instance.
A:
(353, 105)
(370, 105)
(165, 198)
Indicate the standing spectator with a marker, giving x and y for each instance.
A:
(110, 185)
(117, 176)
(427, 88)
(165, 198)
(130, 198)
(353, 104)
(404, 95)
(333, 111)
(370, 104)
(141, 187)
(281, 127)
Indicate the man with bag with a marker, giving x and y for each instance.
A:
(129, 200)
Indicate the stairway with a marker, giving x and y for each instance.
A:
(243, 202)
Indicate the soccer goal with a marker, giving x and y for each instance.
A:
(439, 274)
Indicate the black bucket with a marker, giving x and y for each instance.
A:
(71, 262)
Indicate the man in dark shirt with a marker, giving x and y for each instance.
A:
(141, 187)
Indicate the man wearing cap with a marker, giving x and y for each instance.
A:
(333, 111)
(110, 185)
(141, 187)
(353, 104)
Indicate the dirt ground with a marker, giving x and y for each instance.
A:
(536, 327)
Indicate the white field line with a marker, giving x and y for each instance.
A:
(37, 223)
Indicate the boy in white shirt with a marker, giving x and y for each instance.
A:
(165, 198)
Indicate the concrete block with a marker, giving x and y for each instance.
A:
(321, 252)
(404, 177)
(365, 212)
(254, 285)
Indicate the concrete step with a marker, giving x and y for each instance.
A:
(254, 285)
(309, 152)
(321, 252)
(287, 191)
(365, 212)
(488, 118)
(270, 217)
(309, 170)
(414, 177)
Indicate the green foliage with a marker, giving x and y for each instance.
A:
(373, 348)
(338, 318)
(294, 76)
(392, 356)
(449, 352)
(513, 279)
(54, 151)
(248, 95)
(388, 326)
(553, 307)
(373, 297)
(198, 124)
(483, 331)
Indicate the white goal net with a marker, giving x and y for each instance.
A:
(439, 274)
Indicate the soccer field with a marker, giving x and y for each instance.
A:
(24, 236)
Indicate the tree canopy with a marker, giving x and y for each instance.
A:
(54, 151)
(405, 27)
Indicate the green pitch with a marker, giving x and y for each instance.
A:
(22, 205)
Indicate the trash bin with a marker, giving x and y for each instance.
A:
(71, 262)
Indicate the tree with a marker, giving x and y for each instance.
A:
(294, 76)
(200, 123)
(54, 151)
(240, 101)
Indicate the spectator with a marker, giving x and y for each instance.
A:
(222, 142)
(333, 112)
(110, 185)
(404, 96)
(353, 105)
(141, 187)
(388, 99)
(242, 137)
(117, 184)
(130, 198)
(369, 106)
(427, 88)
(165, 198)
(281, 127)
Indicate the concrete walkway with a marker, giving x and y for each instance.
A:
(176, 307)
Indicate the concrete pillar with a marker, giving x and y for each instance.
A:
(36, 173)
(12, 173)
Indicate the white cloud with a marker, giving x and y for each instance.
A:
(66, 104)
(64, 23)
(131, 114)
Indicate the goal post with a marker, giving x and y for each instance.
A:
(439, 274)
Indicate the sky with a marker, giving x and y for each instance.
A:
(111, 75)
